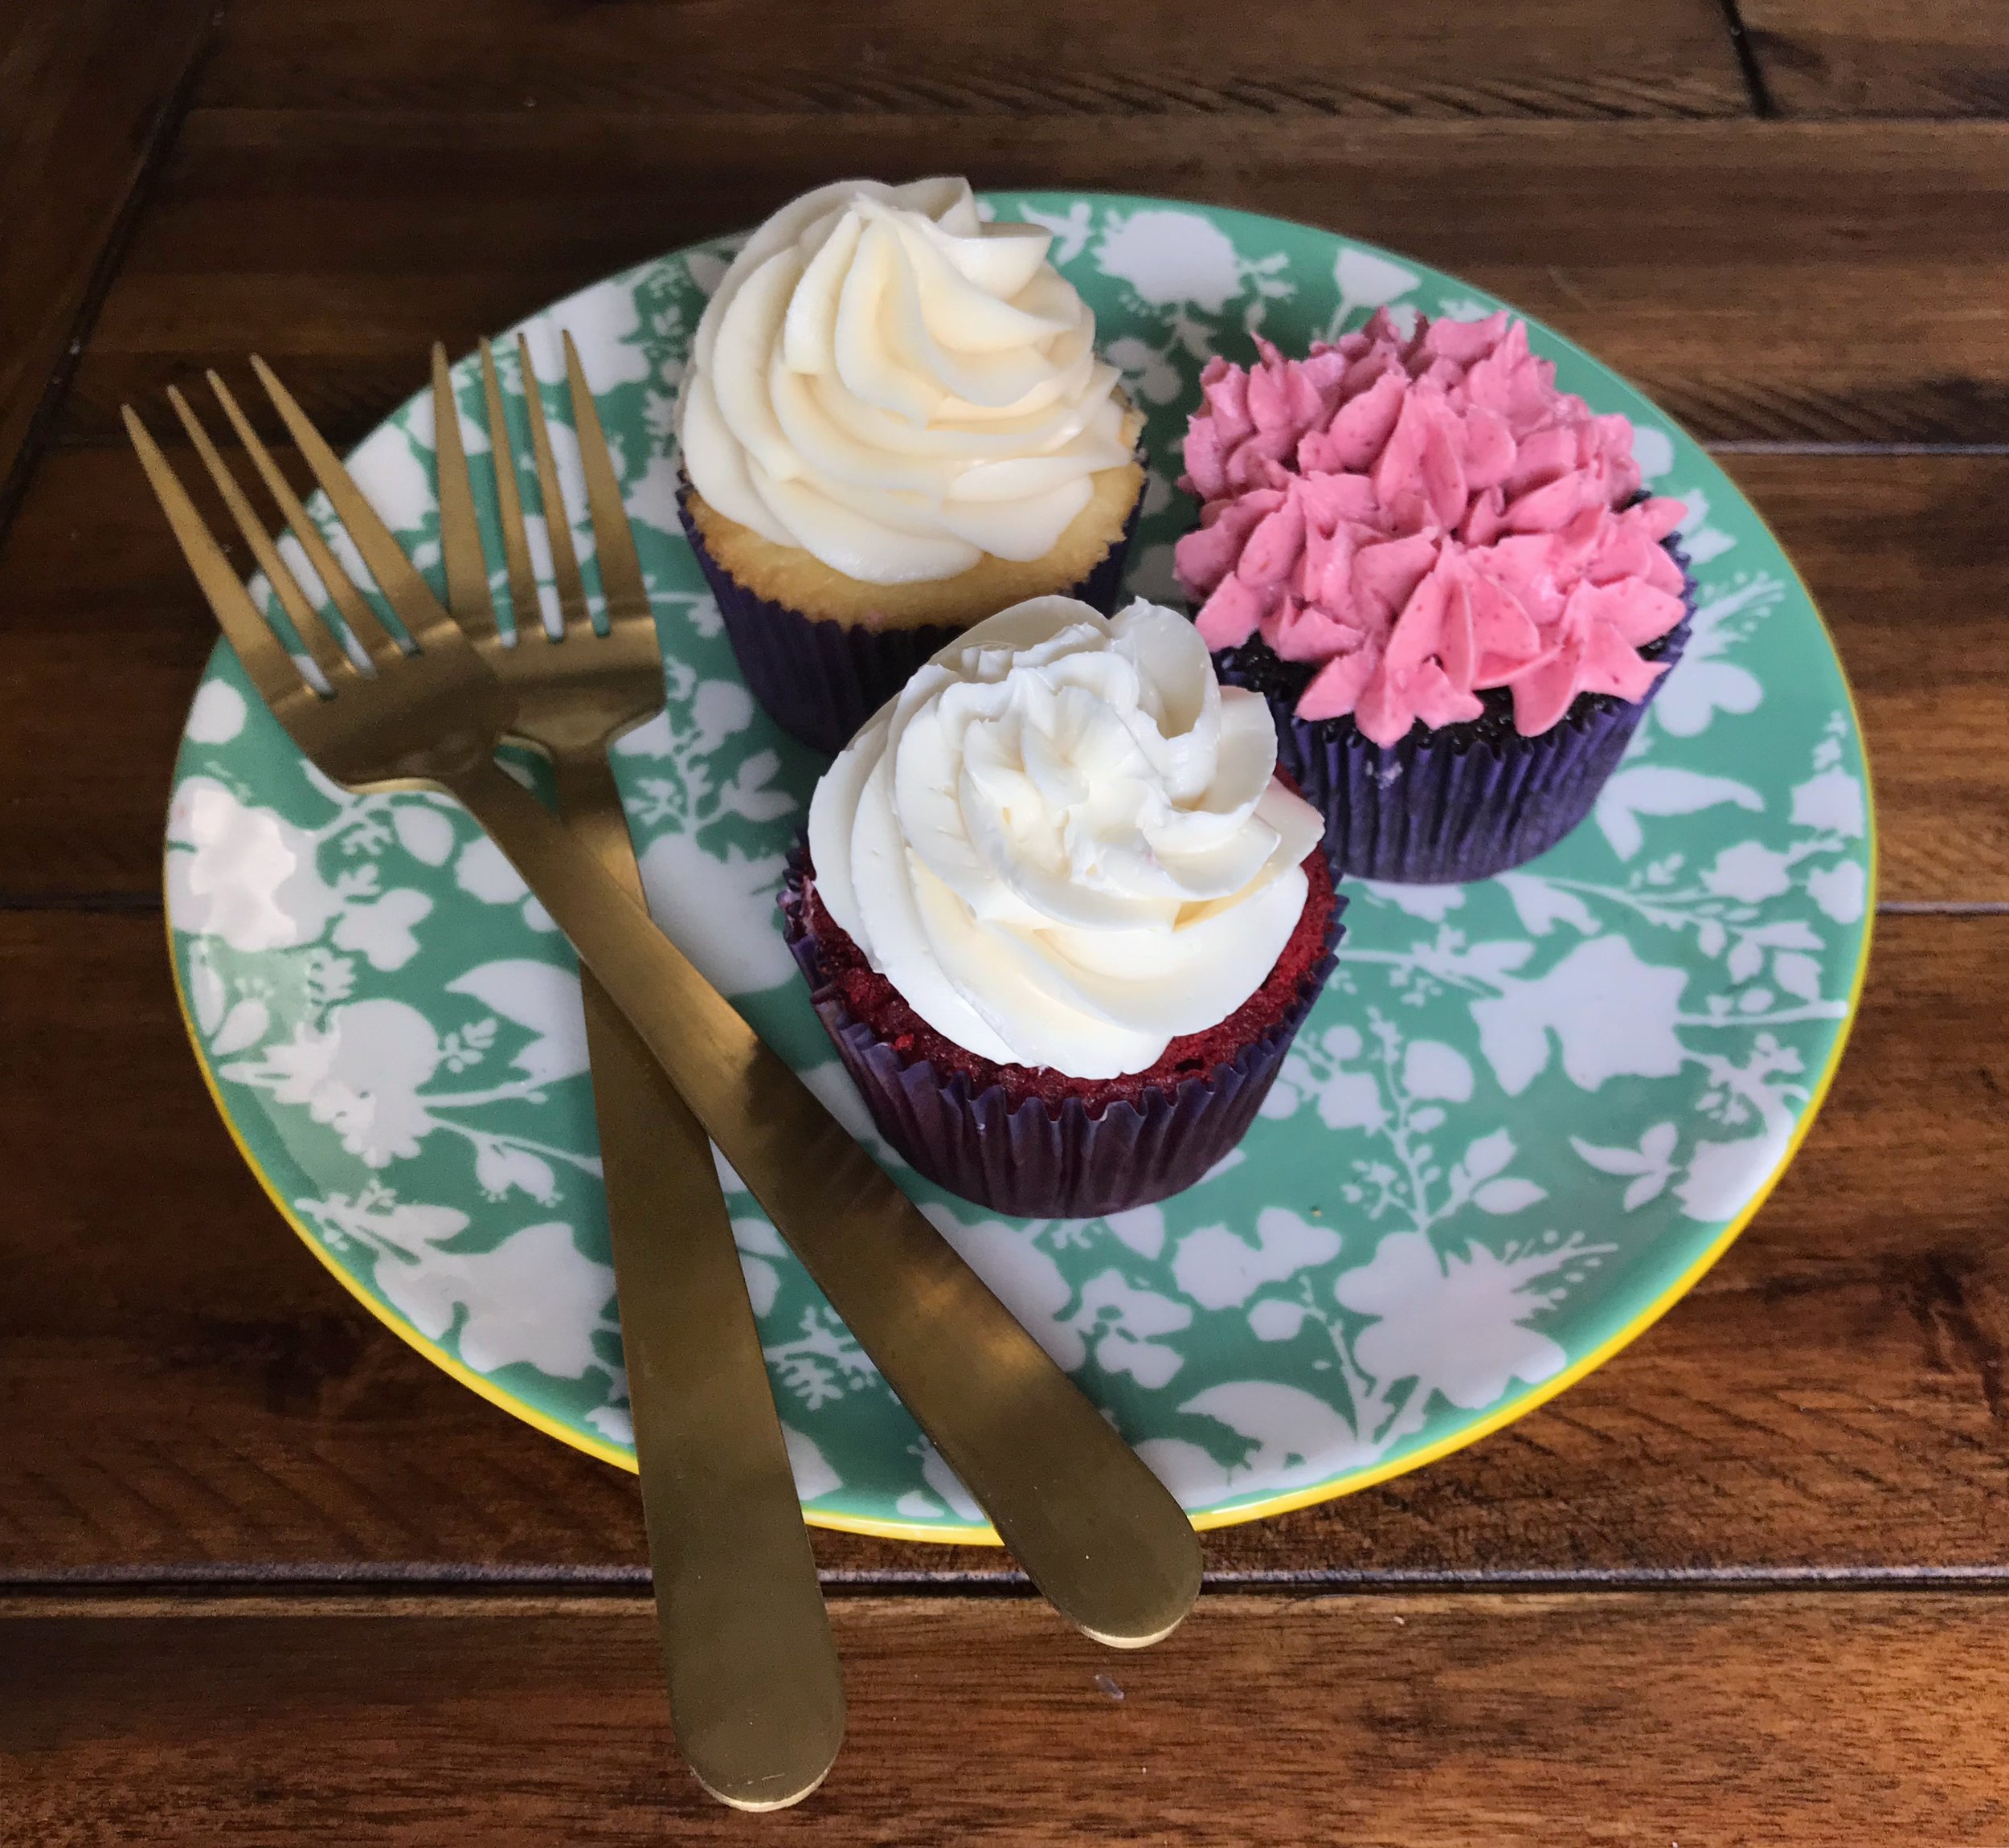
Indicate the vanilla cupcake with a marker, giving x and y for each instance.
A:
(1058, 915)
(894, 425)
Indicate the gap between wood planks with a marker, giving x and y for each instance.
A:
(211, 1587)
(145, 904)
(1747, 63)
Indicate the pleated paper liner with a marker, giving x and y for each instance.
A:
(1462, 803)
(1033, 1160)
(821, 680)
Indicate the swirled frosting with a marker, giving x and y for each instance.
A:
(1426, 516)
(890, 383)
(1064, 843)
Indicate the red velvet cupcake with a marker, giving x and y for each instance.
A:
(1063, 922)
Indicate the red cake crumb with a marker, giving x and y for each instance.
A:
(873, 1000)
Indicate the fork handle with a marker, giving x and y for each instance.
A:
(1094, 1530)
(756, 1694)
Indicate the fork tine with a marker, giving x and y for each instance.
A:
(270, 667)
(557, 523)
(526, 611)
(468, 599)
(315, 637)
(376, 642)
(408, 593)
(613, 538)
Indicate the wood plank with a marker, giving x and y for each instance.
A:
(1575, 58)
(87, 85)
(1831, 283)
(1823, 1721)
(1861, 58)
(188, 1389)
(1900, 555)
(1892, 547)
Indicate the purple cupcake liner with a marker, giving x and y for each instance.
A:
(1444, 808)
(821, 680)
(1029, 1162)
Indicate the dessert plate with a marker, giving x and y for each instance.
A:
(1523, 1119)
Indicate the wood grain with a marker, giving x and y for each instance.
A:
(1391, 1722)
(187, 1389)
(1764, 282)
(1904, 557)
(85, 86)
(189, 1399)
(103, 634)
(1861, 58)
(1573, 57)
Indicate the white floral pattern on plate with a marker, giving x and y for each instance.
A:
(1524, 1117)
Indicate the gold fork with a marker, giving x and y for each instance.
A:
(1094, 1530)
(756, 1696)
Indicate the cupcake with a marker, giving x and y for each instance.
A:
(1442, 573)
(895, 424)
(1058, 915)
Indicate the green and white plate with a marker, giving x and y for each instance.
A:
(1525, 1117)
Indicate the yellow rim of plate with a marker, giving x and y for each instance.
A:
(1240, 1513)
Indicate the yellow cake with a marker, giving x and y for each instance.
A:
(800, 580)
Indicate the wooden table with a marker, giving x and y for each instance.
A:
(267, 1576)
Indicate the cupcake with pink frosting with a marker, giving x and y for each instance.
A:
(1443, 574)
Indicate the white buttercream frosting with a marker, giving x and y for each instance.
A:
(891, 384)
(1065, 843)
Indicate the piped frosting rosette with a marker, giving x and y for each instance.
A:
(1416, 542)
(1064, 843)
(895, 386)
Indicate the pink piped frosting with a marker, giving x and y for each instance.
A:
(1425, 518)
